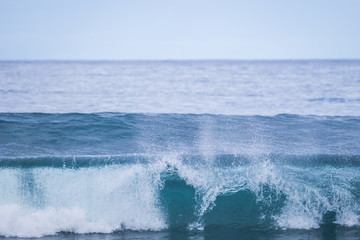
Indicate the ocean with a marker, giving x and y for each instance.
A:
(180, 149)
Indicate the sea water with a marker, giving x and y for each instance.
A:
(180, 150)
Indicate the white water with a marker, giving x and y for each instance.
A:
(43, 201)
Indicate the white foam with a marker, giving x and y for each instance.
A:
(309, 192)
(297, 221)
(19, 221)
(82, 201)
(313, 192)
(348, 219)
(43, 201)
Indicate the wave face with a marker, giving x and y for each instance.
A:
(114, 172)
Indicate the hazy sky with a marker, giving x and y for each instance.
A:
(179, 29)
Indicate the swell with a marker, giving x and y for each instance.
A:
(37, 134)
(109, 172)
(218, 160)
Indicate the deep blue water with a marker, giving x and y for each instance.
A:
(210, 166)
(178, 174)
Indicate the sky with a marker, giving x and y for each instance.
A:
(179, 29)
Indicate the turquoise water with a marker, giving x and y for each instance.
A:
(287, 166)
(166, 175)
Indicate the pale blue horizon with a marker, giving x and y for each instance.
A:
(176, 30)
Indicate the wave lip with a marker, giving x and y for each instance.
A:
(110, 172)
(179, 192)
(219, 160)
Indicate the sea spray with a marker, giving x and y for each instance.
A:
(102, 199)
(110, 172)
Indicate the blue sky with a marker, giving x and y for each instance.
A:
(179, 29)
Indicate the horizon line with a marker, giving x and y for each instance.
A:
(178, 60)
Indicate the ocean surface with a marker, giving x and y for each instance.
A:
(180, 150)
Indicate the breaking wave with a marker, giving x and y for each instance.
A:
(109, 172)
